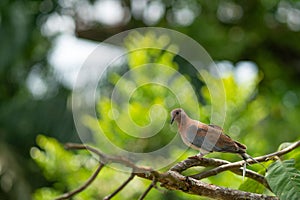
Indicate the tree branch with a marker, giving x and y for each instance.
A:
(238, 164)
(84, 186)
(107, 158)
(193, 186)
(173, 180)
(209, 162)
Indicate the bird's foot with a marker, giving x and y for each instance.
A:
(193, 157)
(198, 157)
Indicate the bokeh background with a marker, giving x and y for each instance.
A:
(43, 44)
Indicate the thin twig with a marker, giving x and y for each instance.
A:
(238, 164)
(148, 189)
(119, 188)
(107, 158)
(278, 153)
(84, 186)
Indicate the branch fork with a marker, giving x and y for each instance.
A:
(174, 180)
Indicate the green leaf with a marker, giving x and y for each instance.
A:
(252, 186)
(284, 145)
(284, 179)
(295, 154)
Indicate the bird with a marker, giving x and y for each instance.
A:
(206, 138)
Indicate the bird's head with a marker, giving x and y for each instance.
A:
(176, 115)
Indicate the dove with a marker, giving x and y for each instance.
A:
(206, 138)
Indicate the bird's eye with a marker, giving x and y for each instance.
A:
(177, 113)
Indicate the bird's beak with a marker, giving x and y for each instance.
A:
(172, 120)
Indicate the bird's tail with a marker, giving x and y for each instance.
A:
(246, 156)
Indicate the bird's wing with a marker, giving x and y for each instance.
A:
(211, 139)
(195, 135)
(226, 144)
(216, 127)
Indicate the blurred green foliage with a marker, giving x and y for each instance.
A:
(146, 103)
(23, 52)
(136, 108)
(68, 170)
(262, 114)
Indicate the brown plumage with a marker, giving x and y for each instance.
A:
(205, 138)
